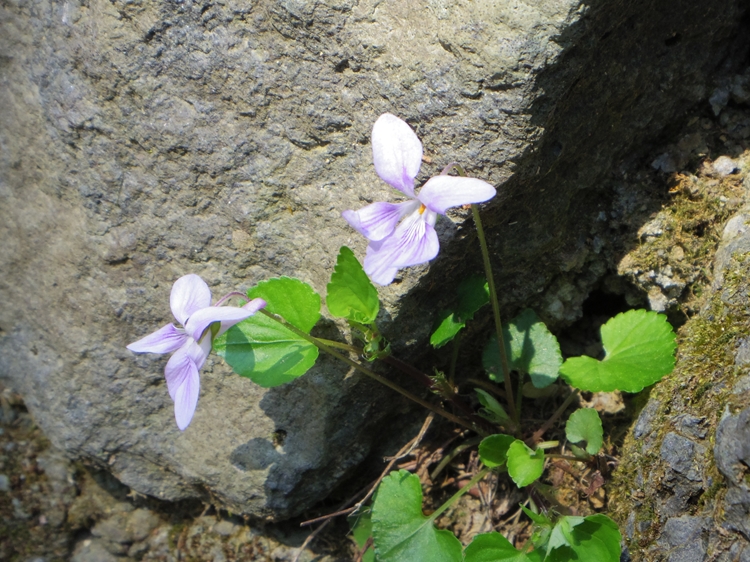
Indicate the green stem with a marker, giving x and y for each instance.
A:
(452, 455)
(393, 386)
(514, 413)
(519, 398)
(481, 474)
(339, 345)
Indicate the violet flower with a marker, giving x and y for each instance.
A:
(397, 155)
(190, 302)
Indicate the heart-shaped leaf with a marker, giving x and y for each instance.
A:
(639, 347)
(400, 531)
(585, 425)
(595, 537)
(493, 450)
(532, 349)
(524, 465)
(493, 547)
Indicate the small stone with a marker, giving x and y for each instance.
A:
(93, 550)
(719, 99)
(140, 524)
(113, 529)
(677, 253)
(657, 300)
(224, 528)
(724, 166)
(664, 163)
(4, 483)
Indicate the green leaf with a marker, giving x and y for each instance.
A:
(493, 547)
(531, 349)
(595, 537)
(524, 465)
(473, 294)
(493, 450)
(264, 350)
(292, 299)
(361, 531)
(351, 294)
(585, 425)
(639, 347)
(400, 531)
(491, 408)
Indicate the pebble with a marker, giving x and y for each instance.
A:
(4, 483)
(724, 166)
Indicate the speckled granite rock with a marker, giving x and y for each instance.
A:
(145, 140)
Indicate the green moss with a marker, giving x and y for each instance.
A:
(700, 385)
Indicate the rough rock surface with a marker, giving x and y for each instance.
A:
(681, 493)
(141, 141)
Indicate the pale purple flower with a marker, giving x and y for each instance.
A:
(397, 155)
(190, 301)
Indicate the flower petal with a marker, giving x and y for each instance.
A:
(442, 192)
(164, 340)
(378, 220)
(412, 243)
(183, 379)
(189, 294)
(203, 318)
(252, 307)
(396, 152)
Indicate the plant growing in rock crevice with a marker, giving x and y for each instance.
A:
(269, 341)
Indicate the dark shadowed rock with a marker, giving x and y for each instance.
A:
(142, 141)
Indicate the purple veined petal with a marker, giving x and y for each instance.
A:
(442, 192)
(412, 243)
(255, 305)
(198, 352)
(164, 340)
(186, 399)
(252, 307)
(396, 152)
(189, 294)
(183, 383)
(203, 318)
(378, 220)
(178, 367)
(379, 271)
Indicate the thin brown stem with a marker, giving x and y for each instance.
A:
(550, 422)
(393, 386)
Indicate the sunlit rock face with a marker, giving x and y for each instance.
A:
(142, 141)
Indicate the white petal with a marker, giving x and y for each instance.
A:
(396, 152)
(164, 340)
(189, 294)
(442, 192)
(203, 318)
(413, 242)
(378, 220)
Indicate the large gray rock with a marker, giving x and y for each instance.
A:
(682, 492)
(143, 140)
